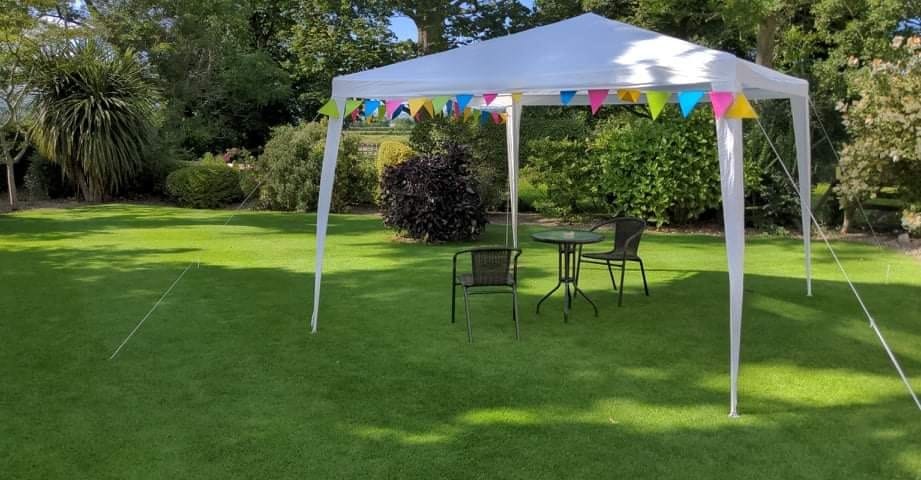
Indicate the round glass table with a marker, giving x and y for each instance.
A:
(569, 245)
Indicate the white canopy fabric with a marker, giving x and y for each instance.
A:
(585, 53)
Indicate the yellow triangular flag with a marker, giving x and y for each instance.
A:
(628, 95)
(468, 112)
(740, 108)
(503, 117)
(516, 97)
(430, 107)
(415, 104)
(330, 109)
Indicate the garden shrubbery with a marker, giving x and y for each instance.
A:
(204, 186)
(433, 197)
(392, 153)
(290, 166)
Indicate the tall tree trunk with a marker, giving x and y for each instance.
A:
(11, 185)
(82, 186)
(767, 29)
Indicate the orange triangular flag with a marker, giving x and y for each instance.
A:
(628, 95)
(741, 108)
(503, 117)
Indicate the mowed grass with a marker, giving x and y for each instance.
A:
(225, 381)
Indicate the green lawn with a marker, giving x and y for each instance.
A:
(224, 380)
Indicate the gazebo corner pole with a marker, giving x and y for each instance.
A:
(327, 178)
(729, 141)
(799, 107)
(512, 132)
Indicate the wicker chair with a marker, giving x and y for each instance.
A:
(493, 270)
(627, 234)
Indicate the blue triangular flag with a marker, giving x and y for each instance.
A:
(462, 101)
(449, 107)
(688, 100)
(566, 96)
(484, 117)
(371, 107)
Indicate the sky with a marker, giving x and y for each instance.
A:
(405, 29)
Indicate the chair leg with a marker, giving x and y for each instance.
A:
(620, 299)
(515, 312)
(611, 274)
(467, 314)
(643, 271)
(453, 299)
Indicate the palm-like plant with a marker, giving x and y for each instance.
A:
(92, 115)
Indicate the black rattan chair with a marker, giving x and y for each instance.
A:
(627, 234)
(493, 270)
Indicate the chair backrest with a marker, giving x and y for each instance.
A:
(494, 266)
(625, 229)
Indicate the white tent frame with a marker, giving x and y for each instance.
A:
(733, 75)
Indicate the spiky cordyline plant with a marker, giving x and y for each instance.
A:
(92, 115)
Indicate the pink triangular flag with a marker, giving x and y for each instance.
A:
(489, 97)
(392, 106)
(496, 118)
(596, 99)
(721, 102)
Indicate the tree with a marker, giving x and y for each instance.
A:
(334, 37)
(14, 107)
(218, 62)
(884, 148)
(92, 114)
(444, 24)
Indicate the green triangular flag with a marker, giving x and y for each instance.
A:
(439, 103)
(331, 109)
(351, 105)
(656, 102)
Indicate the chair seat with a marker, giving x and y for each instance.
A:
(612, 255)
(466, 280)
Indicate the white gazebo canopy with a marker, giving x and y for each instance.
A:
(584, 53)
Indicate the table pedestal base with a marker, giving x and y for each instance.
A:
(568, 262)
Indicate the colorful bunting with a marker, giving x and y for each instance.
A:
(415, 104)
(438, 103)
(484, 117)
(503, 117)
(468, 112)
(566, 96)
(354, 114)
(489, 97)
(688, 101)
(462, 101)
(371, 107)
(516, 97)
(596, 99)
(382, 112)
(392, 106)
(351, 106)
(721, 102)
(741, 108)
(330, 109)
(496, 118)
(627, 95)
(656, 102)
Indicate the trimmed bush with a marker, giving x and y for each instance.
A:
(391, 153)
(290, 169)
(433, 198)
(204, 186)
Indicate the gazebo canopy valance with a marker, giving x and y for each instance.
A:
(584, 53)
